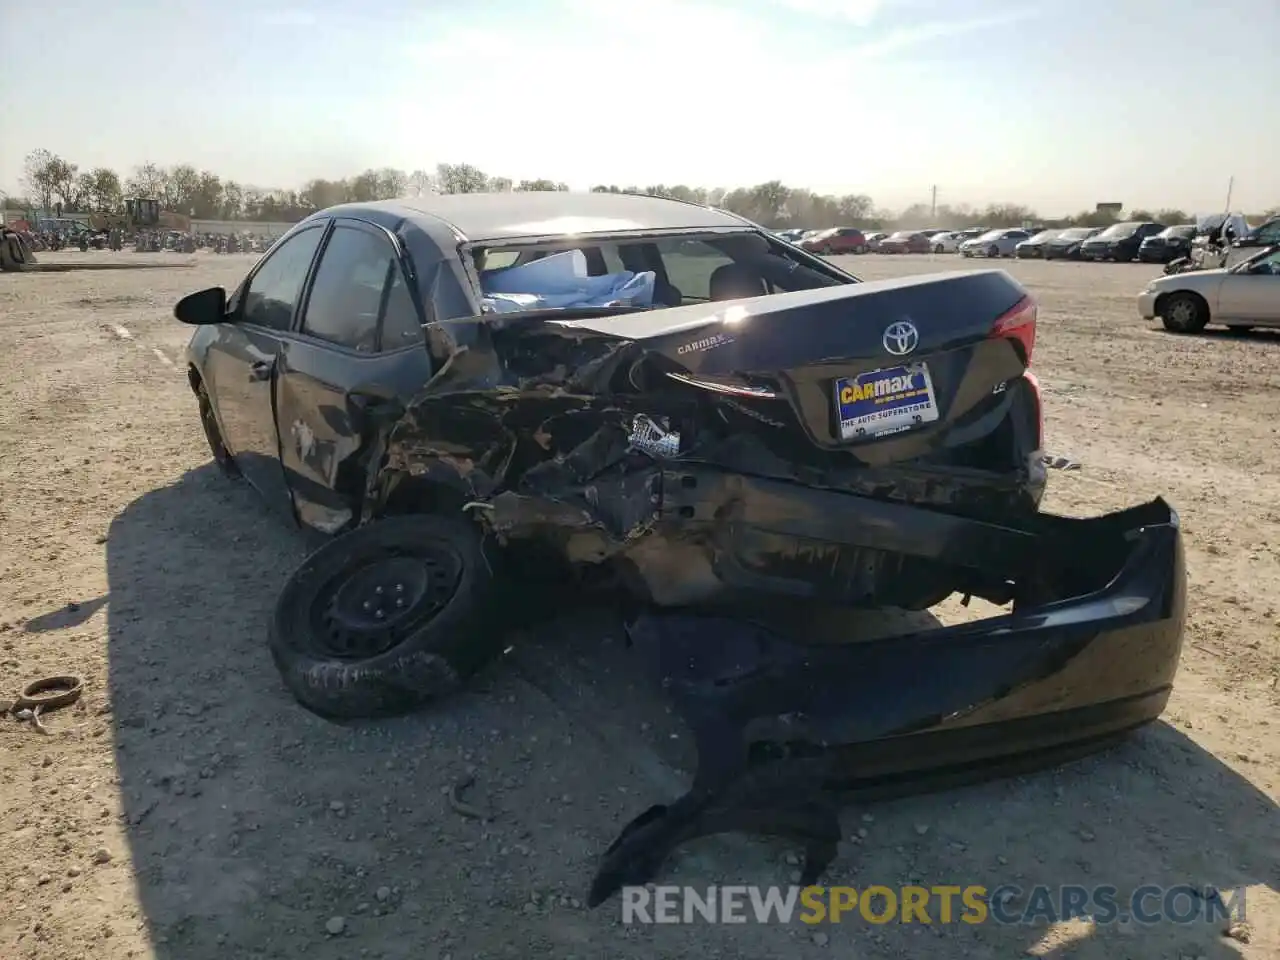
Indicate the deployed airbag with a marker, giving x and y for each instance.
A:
(561, 280)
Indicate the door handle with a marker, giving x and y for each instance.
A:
(260, 370)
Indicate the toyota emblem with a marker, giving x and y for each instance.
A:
(901, 338)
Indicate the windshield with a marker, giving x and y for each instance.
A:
(992, 235)
(902, 235)
(1076, 233)
(1185, 232)
(1117, 230)
(1045, 235)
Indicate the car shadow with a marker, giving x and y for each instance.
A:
(1256, 334)
(257, 829)
(1259, 334)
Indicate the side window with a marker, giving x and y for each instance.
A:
(612, 259)
(400, 322)
(690, 264)
(500, 259)
(347, 293)
(273, 292)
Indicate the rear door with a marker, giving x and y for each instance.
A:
(240, 367)
(356, 354)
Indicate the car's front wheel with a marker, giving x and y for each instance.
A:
(993, 251)
(939, 248)
(387, 617)
(1184, 312)
(221, 455)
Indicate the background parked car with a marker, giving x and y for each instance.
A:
(1034, 246)
(1169, 244)
(1120, 241)
(945, 242)
(837, 240)
(791, 236)
(873, 240)
(905, 241)
(994, 243)
(1243, 296)
(1066, 245)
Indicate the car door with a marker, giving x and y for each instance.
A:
(1252, 292)
(240, 367)
(356, 357)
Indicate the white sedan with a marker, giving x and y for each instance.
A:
(1246, 295)
(945, 242)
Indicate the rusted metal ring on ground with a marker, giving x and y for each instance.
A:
(68, 690)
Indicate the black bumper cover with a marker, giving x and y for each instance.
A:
(784, 730)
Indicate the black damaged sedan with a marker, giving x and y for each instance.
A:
(664, 397)
(1066, 245)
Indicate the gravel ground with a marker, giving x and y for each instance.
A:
(185, 808)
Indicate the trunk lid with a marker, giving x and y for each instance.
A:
(855, 363)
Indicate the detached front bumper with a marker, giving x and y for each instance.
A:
(783, 728)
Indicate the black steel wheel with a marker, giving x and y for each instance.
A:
(387, 617)
(373, 607)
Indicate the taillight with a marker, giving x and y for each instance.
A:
(1019, 324)
(1034, 383)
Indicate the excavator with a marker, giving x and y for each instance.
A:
(140, 213)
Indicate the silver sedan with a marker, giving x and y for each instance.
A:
(1243, 296)
(994, 243)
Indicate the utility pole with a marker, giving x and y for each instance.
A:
(1230, 184)
(933, 204)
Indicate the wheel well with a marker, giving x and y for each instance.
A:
(193, 378)
(421, 495)
(1164, 298)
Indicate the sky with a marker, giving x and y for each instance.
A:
(1151, 103)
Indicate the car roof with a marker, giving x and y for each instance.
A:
(489, 217)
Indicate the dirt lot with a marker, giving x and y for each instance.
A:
(186, 808)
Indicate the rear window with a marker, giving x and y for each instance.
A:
(645, 271)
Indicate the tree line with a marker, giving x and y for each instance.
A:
(50, 180)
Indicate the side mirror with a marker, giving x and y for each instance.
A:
(203, 307)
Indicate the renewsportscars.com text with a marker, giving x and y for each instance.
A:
(1006, 904)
